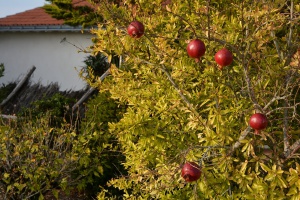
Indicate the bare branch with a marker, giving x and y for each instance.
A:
(276, 98)
(293, 149)
(289, 41)
(13, 117)
(281, 108)
(238, 143)
(188, 103)
(250, 89)
(286, 144)
(277, 46)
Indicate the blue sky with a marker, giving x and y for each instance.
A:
(10, 7)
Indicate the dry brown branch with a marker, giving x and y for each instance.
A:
(89, 92)
(19, 86)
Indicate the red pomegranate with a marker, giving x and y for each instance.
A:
(190, 171)
(258, 121)
(196, 49)
(135, 29)
(223, 57)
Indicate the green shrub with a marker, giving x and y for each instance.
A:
(104, 161)
(36, 158)
(96, 65)
(5, 90)
(56, 106)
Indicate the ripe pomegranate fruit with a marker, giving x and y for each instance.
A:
(190, 171)
(258, 122)
(196, 49)
(135, 29)
(223, 57)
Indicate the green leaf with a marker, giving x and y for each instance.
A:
(265, 168)
(55, 193)
(41, 197)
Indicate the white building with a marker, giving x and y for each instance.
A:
(34, 38)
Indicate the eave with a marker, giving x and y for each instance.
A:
(43, 28)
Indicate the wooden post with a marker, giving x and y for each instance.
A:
(90, 91)
(8, 117)
(18, 87)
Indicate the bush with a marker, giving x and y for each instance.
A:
(104, 160)
(56, 106)
(5, 90)
(36, 158)
(96, 65)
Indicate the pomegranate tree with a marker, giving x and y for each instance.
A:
(196, 49)
(190, 171)
(223, 57)
(135, 29)
(258, 121)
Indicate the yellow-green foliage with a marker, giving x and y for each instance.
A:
(37, 158)
(104, 159)
(182, 110)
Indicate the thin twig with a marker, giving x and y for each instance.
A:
(281, 108)
(276, 98)
(238, 143)
(286, 144)
(188, 103)
(277, 46)
(208, 18)
(250, 89)
(293, 149)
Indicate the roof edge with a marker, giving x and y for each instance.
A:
(43, 28)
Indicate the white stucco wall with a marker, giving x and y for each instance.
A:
(55, 61)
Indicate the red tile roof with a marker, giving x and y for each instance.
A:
(36, 16)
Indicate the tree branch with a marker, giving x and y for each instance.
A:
(281, 108)
(238, 143)
(292, 149)
(286, 144)
(276, 98)
(250, 89)
(277, 46)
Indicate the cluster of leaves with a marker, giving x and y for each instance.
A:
(56, 107)
(6, 89)
(181, 110)
(82, 14)
(37, 158)
(105, 157)
(97, 65)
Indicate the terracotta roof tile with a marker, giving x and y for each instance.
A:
(36, 16)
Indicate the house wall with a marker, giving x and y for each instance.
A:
(55, 59)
